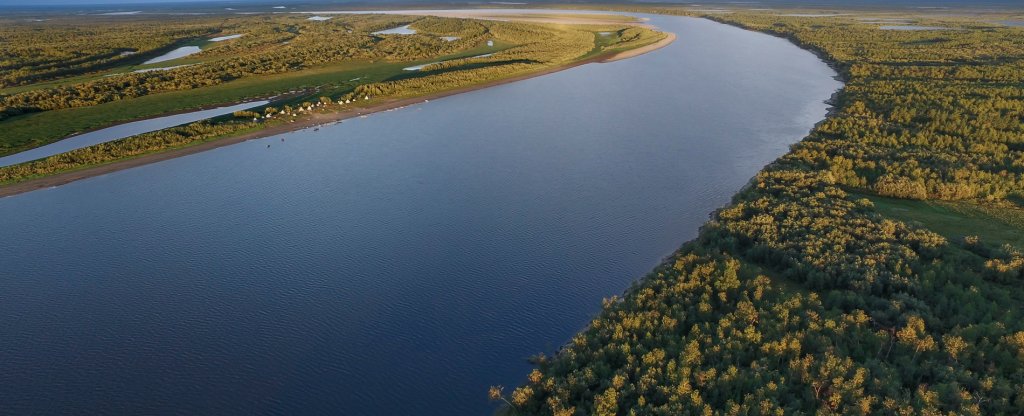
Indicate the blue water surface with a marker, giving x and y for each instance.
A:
(394, 265)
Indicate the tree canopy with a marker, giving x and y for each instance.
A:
(801, 297)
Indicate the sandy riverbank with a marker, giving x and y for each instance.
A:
(671, 37)
(299, 124)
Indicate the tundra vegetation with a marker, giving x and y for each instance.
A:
(874, 269)
(70, 75)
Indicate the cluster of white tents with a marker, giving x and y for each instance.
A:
(352, 100)
(309, 107)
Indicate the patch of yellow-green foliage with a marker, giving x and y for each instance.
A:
(891, 306)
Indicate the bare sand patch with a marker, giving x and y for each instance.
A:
(669, 38)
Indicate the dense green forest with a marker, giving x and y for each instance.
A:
(272, 48)
(874, 269)
(41, 50)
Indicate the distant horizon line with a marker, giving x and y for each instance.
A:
(959, 4)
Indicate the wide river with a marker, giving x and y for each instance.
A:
(394, 265)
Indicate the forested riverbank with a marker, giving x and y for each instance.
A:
(805, 296)
(873, 269)
(438, 240)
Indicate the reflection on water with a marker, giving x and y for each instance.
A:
(393, 265)
(403, 30)
(174, 54)
(228, 37)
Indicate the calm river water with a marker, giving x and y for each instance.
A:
(393, 265)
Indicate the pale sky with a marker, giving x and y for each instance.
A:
(258, 3)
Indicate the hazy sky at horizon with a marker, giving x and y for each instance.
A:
(126, 2)
(258, 3)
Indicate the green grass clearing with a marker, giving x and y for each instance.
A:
(995, 223)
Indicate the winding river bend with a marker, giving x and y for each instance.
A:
(393, 265)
